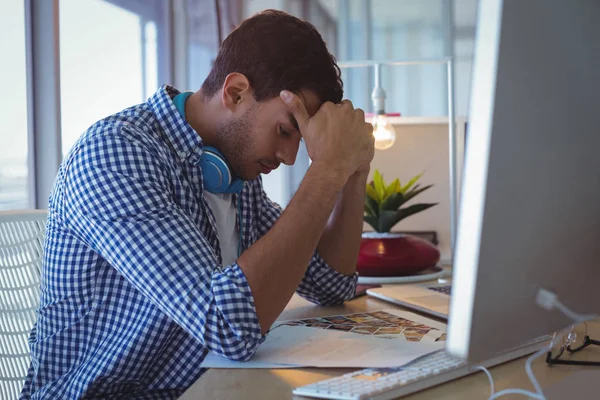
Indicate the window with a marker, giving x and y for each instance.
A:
(108, 61)
(203, 41)
(393, 30)
(14, 171)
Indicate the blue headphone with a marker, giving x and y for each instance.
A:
(216, 171)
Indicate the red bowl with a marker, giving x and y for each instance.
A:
(397, 255)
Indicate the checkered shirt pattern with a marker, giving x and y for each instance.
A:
(133, 294)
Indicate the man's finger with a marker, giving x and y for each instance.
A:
(295, 105)
(347, 103)
(359, 113)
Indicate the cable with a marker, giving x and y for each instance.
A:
(549, 300)
(489, 375)
(517, 391)
(540, 394)
(530, 374)
(578, 318)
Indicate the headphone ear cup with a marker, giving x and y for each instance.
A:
(217, 173)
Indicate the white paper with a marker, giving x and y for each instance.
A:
(324, 348)
(309, 347)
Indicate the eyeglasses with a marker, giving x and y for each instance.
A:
(572, 344)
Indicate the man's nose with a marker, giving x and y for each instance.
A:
(287, 152)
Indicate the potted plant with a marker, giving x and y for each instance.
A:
(385, 253)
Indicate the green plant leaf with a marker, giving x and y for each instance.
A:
(369, 210)
(371, 193)
(415, 208)
(415, 191)
(392, 202)
(391, 189)
(371, 221)
(379, 185)
(411, 182)
(382, 203)
(373, 205)
(387, 219)
(408, 192)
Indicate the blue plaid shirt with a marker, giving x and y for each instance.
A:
(133, 294)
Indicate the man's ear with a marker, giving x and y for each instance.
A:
(236, 90)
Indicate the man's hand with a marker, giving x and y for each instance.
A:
(365, 167)
(337, 136)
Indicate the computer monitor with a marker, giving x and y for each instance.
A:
(529, 214)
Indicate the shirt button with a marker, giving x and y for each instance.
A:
(194, 159)
(182, 154)
(195, 179)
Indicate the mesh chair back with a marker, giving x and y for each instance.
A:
(21, 251)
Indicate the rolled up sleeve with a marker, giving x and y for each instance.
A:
(324, 285)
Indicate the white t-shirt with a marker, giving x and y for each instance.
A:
(225, 216)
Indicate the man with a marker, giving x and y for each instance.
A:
(161, 244)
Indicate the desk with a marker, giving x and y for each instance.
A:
(277, 384)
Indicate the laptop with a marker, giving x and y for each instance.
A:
(432, 299)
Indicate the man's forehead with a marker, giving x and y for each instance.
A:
(311, 101)
(293, 121)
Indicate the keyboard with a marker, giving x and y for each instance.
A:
(441, 289)
(391, 383)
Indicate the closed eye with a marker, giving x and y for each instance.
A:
(286, 134)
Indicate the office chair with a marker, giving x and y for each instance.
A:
(21, 251)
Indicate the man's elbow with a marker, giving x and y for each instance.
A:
(236, 343)
(243, 350)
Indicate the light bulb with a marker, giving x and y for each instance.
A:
(384, 132)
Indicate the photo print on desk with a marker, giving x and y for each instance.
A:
(385, 324)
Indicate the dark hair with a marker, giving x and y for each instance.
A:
(277, 51)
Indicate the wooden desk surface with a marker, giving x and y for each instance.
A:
(277, 384)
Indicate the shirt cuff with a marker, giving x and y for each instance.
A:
(329, 285)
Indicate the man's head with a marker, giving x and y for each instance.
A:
(269, 52)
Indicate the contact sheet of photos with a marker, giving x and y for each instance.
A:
(385, 324)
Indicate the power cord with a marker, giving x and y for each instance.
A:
(489, 375)
(549, 301)
(538, 394)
